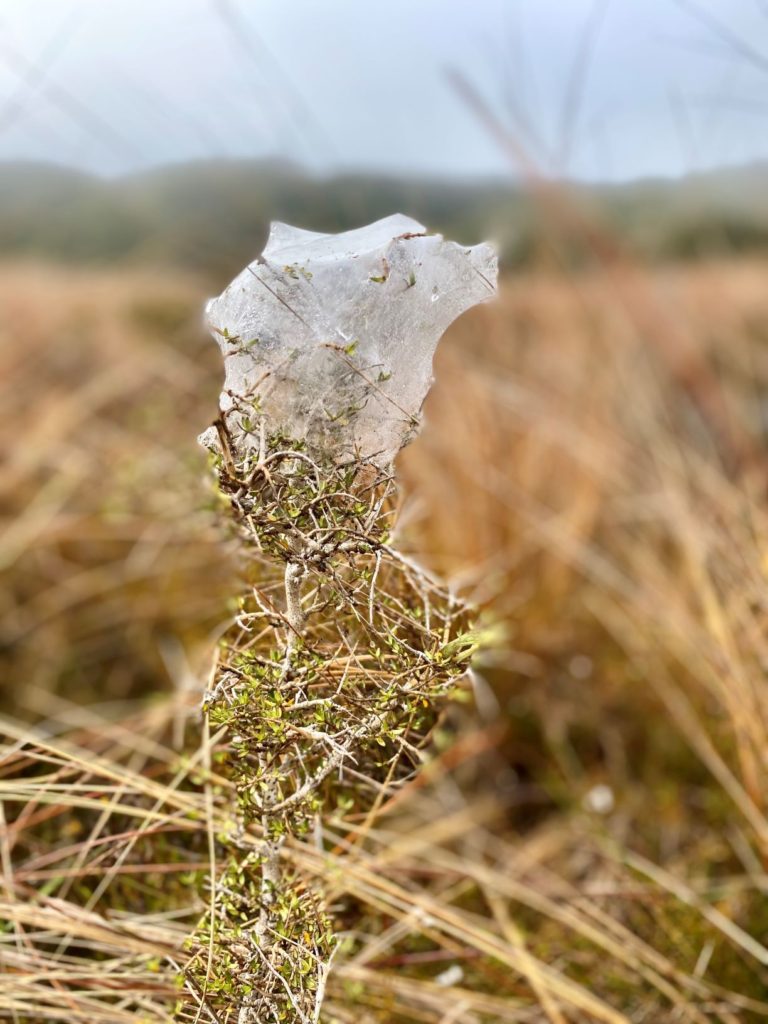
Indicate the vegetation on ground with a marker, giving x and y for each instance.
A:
(588, 839)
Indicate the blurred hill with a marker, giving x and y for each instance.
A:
(213, 216)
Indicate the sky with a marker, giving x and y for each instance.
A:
(593, 89)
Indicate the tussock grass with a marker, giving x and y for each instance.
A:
(588, 843)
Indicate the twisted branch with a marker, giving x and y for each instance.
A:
(329, 685)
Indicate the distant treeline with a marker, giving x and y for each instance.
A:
(213, 216)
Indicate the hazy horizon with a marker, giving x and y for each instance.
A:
(598, 91)
(478, 179)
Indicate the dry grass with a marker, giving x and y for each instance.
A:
(591, 844)
(108, 555)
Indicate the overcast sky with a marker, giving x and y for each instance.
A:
(664, 86)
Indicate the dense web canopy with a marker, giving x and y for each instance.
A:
(329, 338)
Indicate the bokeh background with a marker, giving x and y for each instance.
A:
(591, 840)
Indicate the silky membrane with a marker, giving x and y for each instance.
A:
(329, 339)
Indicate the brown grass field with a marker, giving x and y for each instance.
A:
(590, 839)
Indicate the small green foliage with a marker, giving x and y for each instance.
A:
(384, 276)
(349, 670)
(293, 270)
